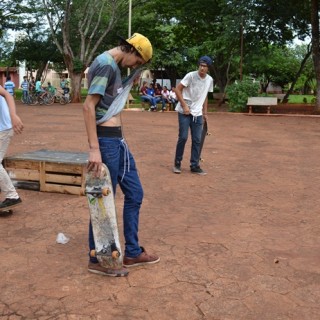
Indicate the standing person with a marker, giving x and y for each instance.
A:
(10, 123)
(192, 94)
(32, 85)
(107, 144)
(25, 90)
(9, 86)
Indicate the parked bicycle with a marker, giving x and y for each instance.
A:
(26, 99)
(62, 98)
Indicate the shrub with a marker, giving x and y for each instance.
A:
(239, 92)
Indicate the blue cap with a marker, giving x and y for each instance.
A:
(205, 59)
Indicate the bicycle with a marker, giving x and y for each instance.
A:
(26, 100)
(41, 98)
(62, 98)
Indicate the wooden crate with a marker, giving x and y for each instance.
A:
(48, 171)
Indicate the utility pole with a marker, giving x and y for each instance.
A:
(241, 48)
(129, 35)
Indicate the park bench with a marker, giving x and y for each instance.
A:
(262, 102)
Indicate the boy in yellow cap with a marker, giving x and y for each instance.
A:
(107, 145)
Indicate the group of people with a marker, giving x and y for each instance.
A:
(37, 87)
(107, 144)
(153, 94)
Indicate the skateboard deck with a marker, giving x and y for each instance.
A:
(102, 209)
(203, 137)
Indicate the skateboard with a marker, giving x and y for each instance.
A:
(203, 137)
(102, 209)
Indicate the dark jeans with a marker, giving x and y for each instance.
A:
(25, 95)
(149, 99)
(195, 124)
(119, 160)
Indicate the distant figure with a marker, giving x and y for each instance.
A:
(173, 97)
(63, 82)
(51, 88)
(25, 90)
(32, 85)
(192, 93)
(165, 97)
(9, 86)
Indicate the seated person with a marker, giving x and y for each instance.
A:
(51, 88)
(172, 97)
(157, 94)
(39, 89)
(165, 97)
(145, 96)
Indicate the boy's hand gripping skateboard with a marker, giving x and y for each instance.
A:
(100, 197)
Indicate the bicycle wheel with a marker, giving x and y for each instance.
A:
(48, 100)
(63, 100)
(33, 100)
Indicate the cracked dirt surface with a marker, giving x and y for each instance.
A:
(239, 243)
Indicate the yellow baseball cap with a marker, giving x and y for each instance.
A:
(142, 45)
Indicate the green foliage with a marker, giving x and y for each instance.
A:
(78, 66)
(239, 92)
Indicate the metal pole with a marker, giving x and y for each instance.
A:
(129, 35)
(241, 48)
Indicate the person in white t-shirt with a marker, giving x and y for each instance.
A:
(172, 97)
(192, 94)
(10, 123)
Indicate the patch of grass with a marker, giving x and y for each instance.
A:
(301, 98)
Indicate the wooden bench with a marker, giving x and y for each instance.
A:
(48, 171)
(262, 102)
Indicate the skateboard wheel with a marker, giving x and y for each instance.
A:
(105, 191)
(92, 253)
(115, 254)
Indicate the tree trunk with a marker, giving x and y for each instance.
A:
(303, 63)
(315, 46)
(76, 79)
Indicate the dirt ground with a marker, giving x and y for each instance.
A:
(239, 243)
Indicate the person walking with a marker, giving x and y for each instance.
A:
(192, 95)
(10, 123)
(107, 145)
(9, 86)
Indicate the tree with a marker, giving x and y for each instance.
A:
(15, 15)
(46, 51)
(78, 28)
(316, 45)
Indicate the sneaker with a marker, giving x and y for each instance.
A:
(9, 203)
(198, 170)
(177, 168)
(96, 268)
(143, 259)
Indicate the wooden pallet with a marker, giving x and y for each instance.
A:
(48, 171)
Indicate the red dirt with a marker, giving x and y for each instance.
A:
(239, 243)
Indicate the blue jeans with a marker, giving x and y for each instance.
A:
(195, 124)
(25, 95)
(149, 99)
(120, 162)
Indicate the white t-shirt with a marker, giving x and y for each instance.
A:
(195, 92)
(5, 119)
